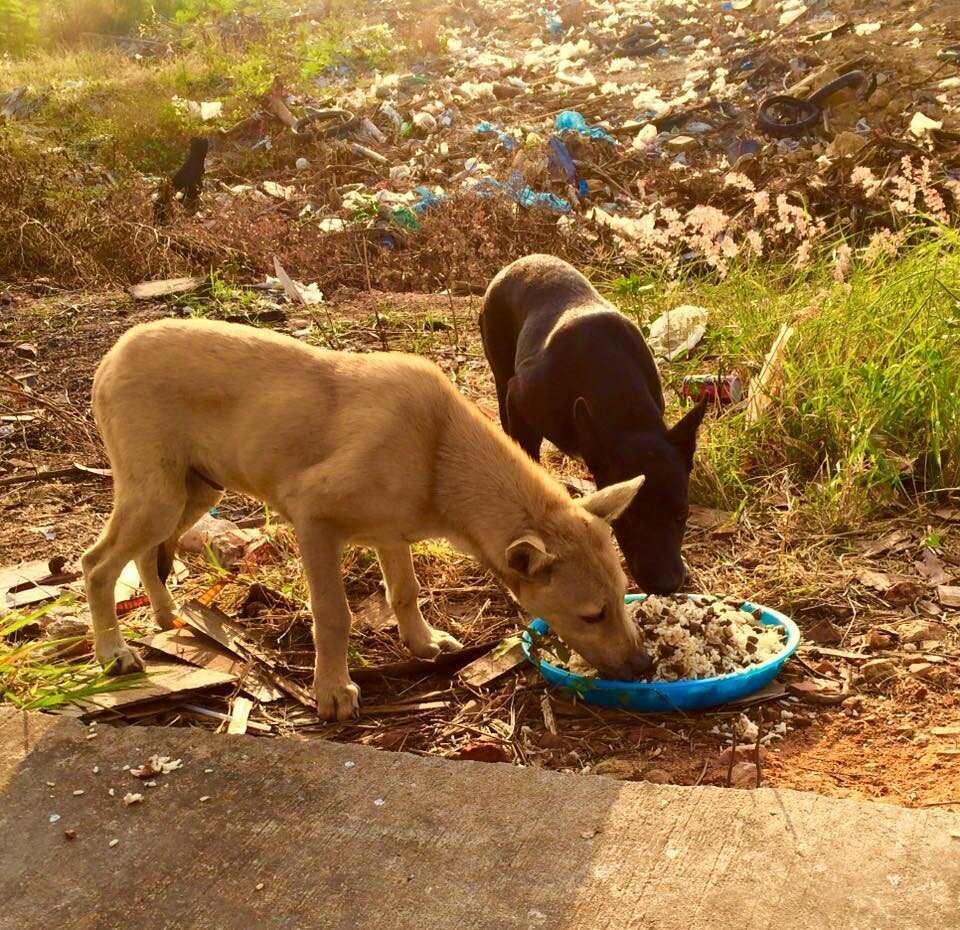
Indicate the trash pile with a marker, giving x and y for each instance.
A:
(687, 134)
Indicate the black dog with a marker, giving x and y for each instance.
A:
(569, 367)
(189, 179)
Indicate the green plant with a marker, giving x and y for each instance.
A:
(31, 677)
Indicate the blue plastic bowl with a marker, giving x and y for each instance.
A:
(669, 696)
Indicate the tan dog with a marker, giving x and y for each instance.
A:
(375, 449)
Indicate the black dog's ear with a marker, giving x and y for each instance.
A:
(683, 434)
(584, 427)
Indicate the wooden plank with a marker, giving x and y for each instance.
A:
(239, 714)
(493, 665)
(164, 679)
(148, 290)
(198, 650)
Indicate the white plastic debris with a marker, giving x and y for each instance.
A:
(677, 331)
(921, 124)
(132, 798)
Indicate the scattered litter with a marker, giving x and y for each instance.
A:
(53, 818)
(204, 798)
(113, 843)
(677, 331)
(379, 802)
(78, 792)
(132, 798)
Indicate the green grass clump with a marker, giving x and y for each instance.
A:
(868, 416)
(33, 678)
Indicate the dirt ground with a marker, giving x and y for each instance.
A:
(890, 735)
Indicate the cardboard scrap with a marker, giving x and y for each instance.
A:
(163, 679)
(202, 652)
(221, 629)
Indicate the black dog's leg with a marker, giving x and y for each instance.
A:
(518, 428)
(499, 349)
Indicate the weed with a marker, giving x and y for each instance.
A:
(30, 678)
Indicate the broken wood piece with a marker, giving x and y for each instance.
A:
(493, 665)
(239, 714)
(149, 290)
(949, 595)
(200, 651)
(946, 731)
(163, 679)
(895, 539)
(764, 387)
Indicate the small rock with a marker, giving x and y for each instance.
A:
(744, 775)
(132, 798)
(113, 843)
(302, 164)
(70, 834)
(552, 741)
(78, 792)
(878, 639)
(743, 753)
(824, 633)
(879, 672)
(658, 777)
(25, 350)
(483, 752)
(620, 769)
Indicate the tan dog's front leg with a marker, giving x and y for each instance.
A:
(338, 698)
(418, 636)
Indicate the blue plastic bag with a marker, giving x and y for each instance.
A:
(427, 199)
(521, 193)
(506, 140)
(573, 121)
(558, 155)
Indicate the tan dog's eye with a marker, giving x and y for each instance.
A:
(593, 618)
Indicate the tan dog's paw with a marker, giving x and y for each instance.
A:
(435, 642)
(337, 703)
(120, 660)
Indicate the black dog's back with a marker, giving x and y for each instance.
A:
(569, 367)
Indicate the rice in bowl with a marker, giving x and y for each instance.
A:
(688, 639)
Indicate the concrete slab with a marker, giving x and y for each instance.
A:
(306, 835)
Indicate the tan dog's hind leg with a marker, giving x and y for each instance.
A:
(201, 497)
(338, 698)
(136, 527)
(417, 635)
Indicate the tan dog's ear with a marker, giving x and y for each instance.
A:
(528, 556)
(610, 502)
